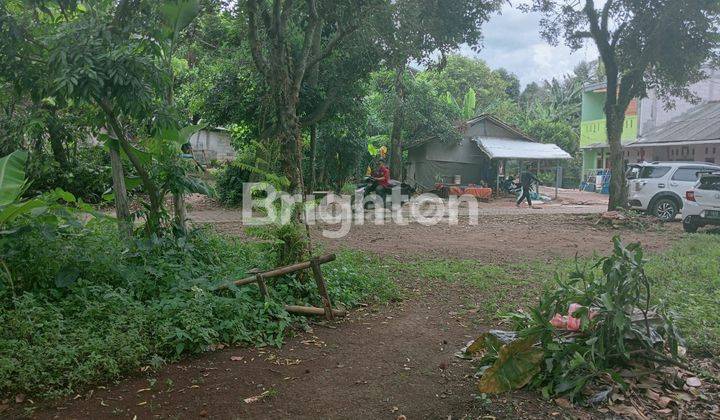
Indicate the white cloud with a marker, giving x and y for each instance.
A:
(512, 40)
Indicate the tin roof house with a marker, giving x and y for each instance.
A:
(486, 143)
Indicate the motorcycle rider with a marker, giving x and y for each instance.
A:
(381, 178)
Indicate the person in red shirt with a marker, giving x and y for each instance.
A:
(381, 176)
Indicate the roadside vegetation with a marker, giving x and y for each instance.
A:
(78, 308)
(686, 279)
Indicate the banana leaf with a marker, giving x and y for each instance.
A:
(517, 363)
(12, 176)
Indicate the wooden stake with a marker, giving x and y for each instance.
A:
(261, 284)
(322, 288)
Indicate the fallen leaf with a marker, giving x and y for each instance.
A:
(19, 398)
(663, 402)
(142, 390)
(563, 402)
(256, 398)
(236, 358)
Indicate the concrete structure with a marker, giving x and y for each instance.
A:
(485, 143)
(212, 143)
(691, 136)
(642, 117)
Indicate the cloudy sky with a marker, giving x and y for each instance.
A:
(512, 41)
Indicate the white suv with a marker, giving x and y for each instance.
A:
(702, 203)
(659, 187)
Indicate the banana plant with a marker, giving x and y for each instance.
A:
(12, 185)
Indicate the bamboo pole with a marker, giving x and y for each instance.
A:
(311, 310)
(322, 288)
(279, 271)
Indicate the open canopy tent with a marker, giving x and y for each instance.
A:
(512, 149)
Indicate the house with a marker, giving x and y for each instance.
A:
(642, 117)
(212, 143)
(691, 136)
(486, 145)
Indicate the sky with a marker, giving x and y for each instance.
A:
(512, 40)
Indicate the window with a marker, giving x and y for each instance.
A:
(687, 174)
(710, 183)
(653, 171)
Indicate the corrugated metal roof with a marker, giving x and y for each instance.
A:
(700, 124)
(503, 148)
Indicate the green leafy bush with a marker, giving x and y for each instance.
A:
(613, 325)
(230, 185)
(79, 308)
(87, 177)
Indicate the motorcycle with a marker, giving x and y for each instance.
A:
(509, 186)
(369, 186)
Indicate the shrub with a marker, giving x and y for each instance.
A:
(230, 185)
(78, 308)
(87, 177)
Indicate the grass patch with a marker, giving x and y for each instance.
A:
(687, 280)
(77, 308)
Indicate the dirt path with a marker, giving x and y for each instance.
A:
(380, 362)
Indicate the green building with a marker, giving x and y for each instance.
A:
(593, 135)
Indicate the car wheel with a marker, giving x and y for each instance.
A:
(665, 209)
(689, 226)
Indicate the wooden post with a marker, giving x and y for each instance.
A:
(317, 273)
(261, 285)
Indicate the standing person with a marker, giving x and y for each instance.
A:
(526, 181)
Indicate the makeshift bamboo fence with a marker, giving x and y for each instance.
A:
(314, 264)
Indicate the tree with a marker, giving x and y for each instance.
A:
(415, 30)
(460, 74)
(287, 41)
(651, 44)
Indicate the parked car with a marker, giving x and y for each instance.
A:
(658, 188)
(702, 203)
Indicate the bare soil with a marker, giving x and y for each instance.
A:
(380, 362)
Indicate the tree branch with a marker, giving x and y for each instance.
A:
(302, 64)
(255, 45)
(606, 15)
(320, 111)
(332, 44)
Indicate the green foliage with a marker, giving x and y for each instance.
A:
(12, 177)
(426, 112)
(115, 309)
(461, 74)
(87, 176)
(688, 280)
(230, 184)
(618, 325)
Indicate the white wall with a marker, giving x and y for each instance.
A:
(652, 110)
(212, 144)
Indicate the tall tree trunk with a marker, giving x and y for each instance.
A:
(398, 123)
(614, 122)
(55, 134)
(122, 208)
(313, 76)
(180, 213)
(153, 217)
(618, 188)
